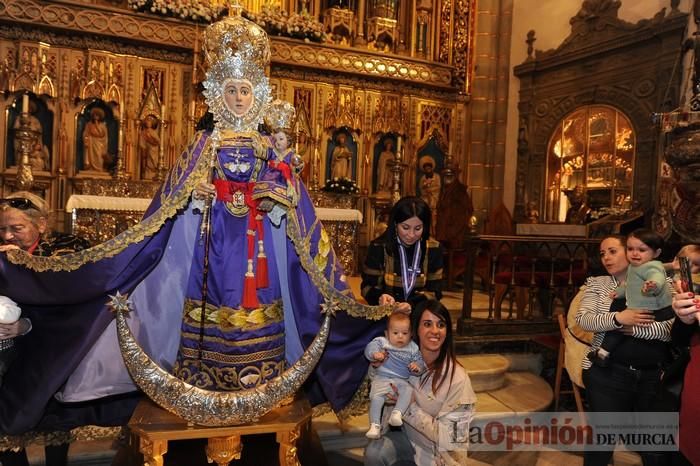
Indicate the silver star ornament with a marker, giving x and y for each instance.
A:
(119, 302)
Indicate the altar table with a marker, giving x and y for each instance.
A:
(99, 218)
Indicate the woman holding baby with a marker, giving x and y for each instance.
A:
(436, 425)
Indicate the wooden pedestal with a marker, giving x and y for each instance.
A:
(155, 426)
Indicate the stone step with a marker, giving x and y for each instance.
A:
(81, 453)
(486, 371)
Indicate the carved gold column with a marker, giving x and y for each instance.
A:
(315, 159)
(161, 170)
(397, 169)
(120, 172)
(360, 38)
(26, 137)
(153, 451)
(288, 448)
(223, 450)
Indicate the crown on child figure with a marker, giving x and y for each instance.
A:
(281, 116)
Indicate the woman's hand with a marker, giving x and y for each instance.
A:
(403, 308)
(204, 191)
(388, 300)
(14, 329)
(686, 306)
(632, 317)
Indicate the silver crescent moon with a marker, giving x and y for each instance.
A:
(208, 407)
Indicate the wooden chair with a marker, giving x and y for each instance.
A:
(573, 347)
(561, 366)
(569, 269)
(454, 208)
(493, 259)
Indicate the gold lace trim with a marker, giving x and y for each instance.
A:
(358, 405)
(250, 358)
(331, 295)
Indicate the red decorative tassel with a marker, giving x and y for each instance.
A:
(250, 295)
(261, 277)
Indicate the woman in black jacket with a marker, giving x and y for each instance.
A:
(404, 261)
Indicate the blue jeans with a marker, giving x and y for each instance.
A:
(392, 449)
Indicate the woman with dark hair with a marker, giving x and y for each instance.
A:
(437, 421)
(629, 378)
(404, 261)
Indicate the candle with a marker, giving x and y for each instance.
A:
(25, 103)
(318, 130)
(162, 112)
(449, 151)
(398, 144)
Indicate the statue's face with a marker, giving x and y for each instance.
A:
(238, 96)
(280, 140)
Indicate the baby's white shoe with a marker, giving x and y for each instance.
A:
(395, 418)
(374, 432)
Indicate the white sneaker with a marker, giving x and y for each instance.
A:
(374, 432)
(395, 418)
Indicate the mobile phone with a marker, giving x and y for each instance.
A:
(686, 275)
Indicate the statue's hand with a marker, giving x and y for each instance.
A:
(266, 205)
(204, 190)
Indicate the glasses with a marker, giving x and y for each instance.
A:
(19, 203)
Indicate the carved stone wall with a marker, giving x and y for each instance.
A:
(605, 60)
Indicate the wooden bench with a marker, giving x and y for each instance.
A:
(155, 426)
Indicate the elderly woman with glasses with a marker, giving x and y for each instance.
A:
(24, 224)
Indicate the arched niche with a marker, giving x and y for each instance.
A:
(605, 61)
(41, 120)
(343, 142)
(97, 120)
(591, 149)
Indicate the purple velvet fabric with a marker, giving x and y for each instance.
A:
(72, 324)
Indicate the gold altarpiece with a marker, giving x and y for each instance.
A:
(95, 68)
